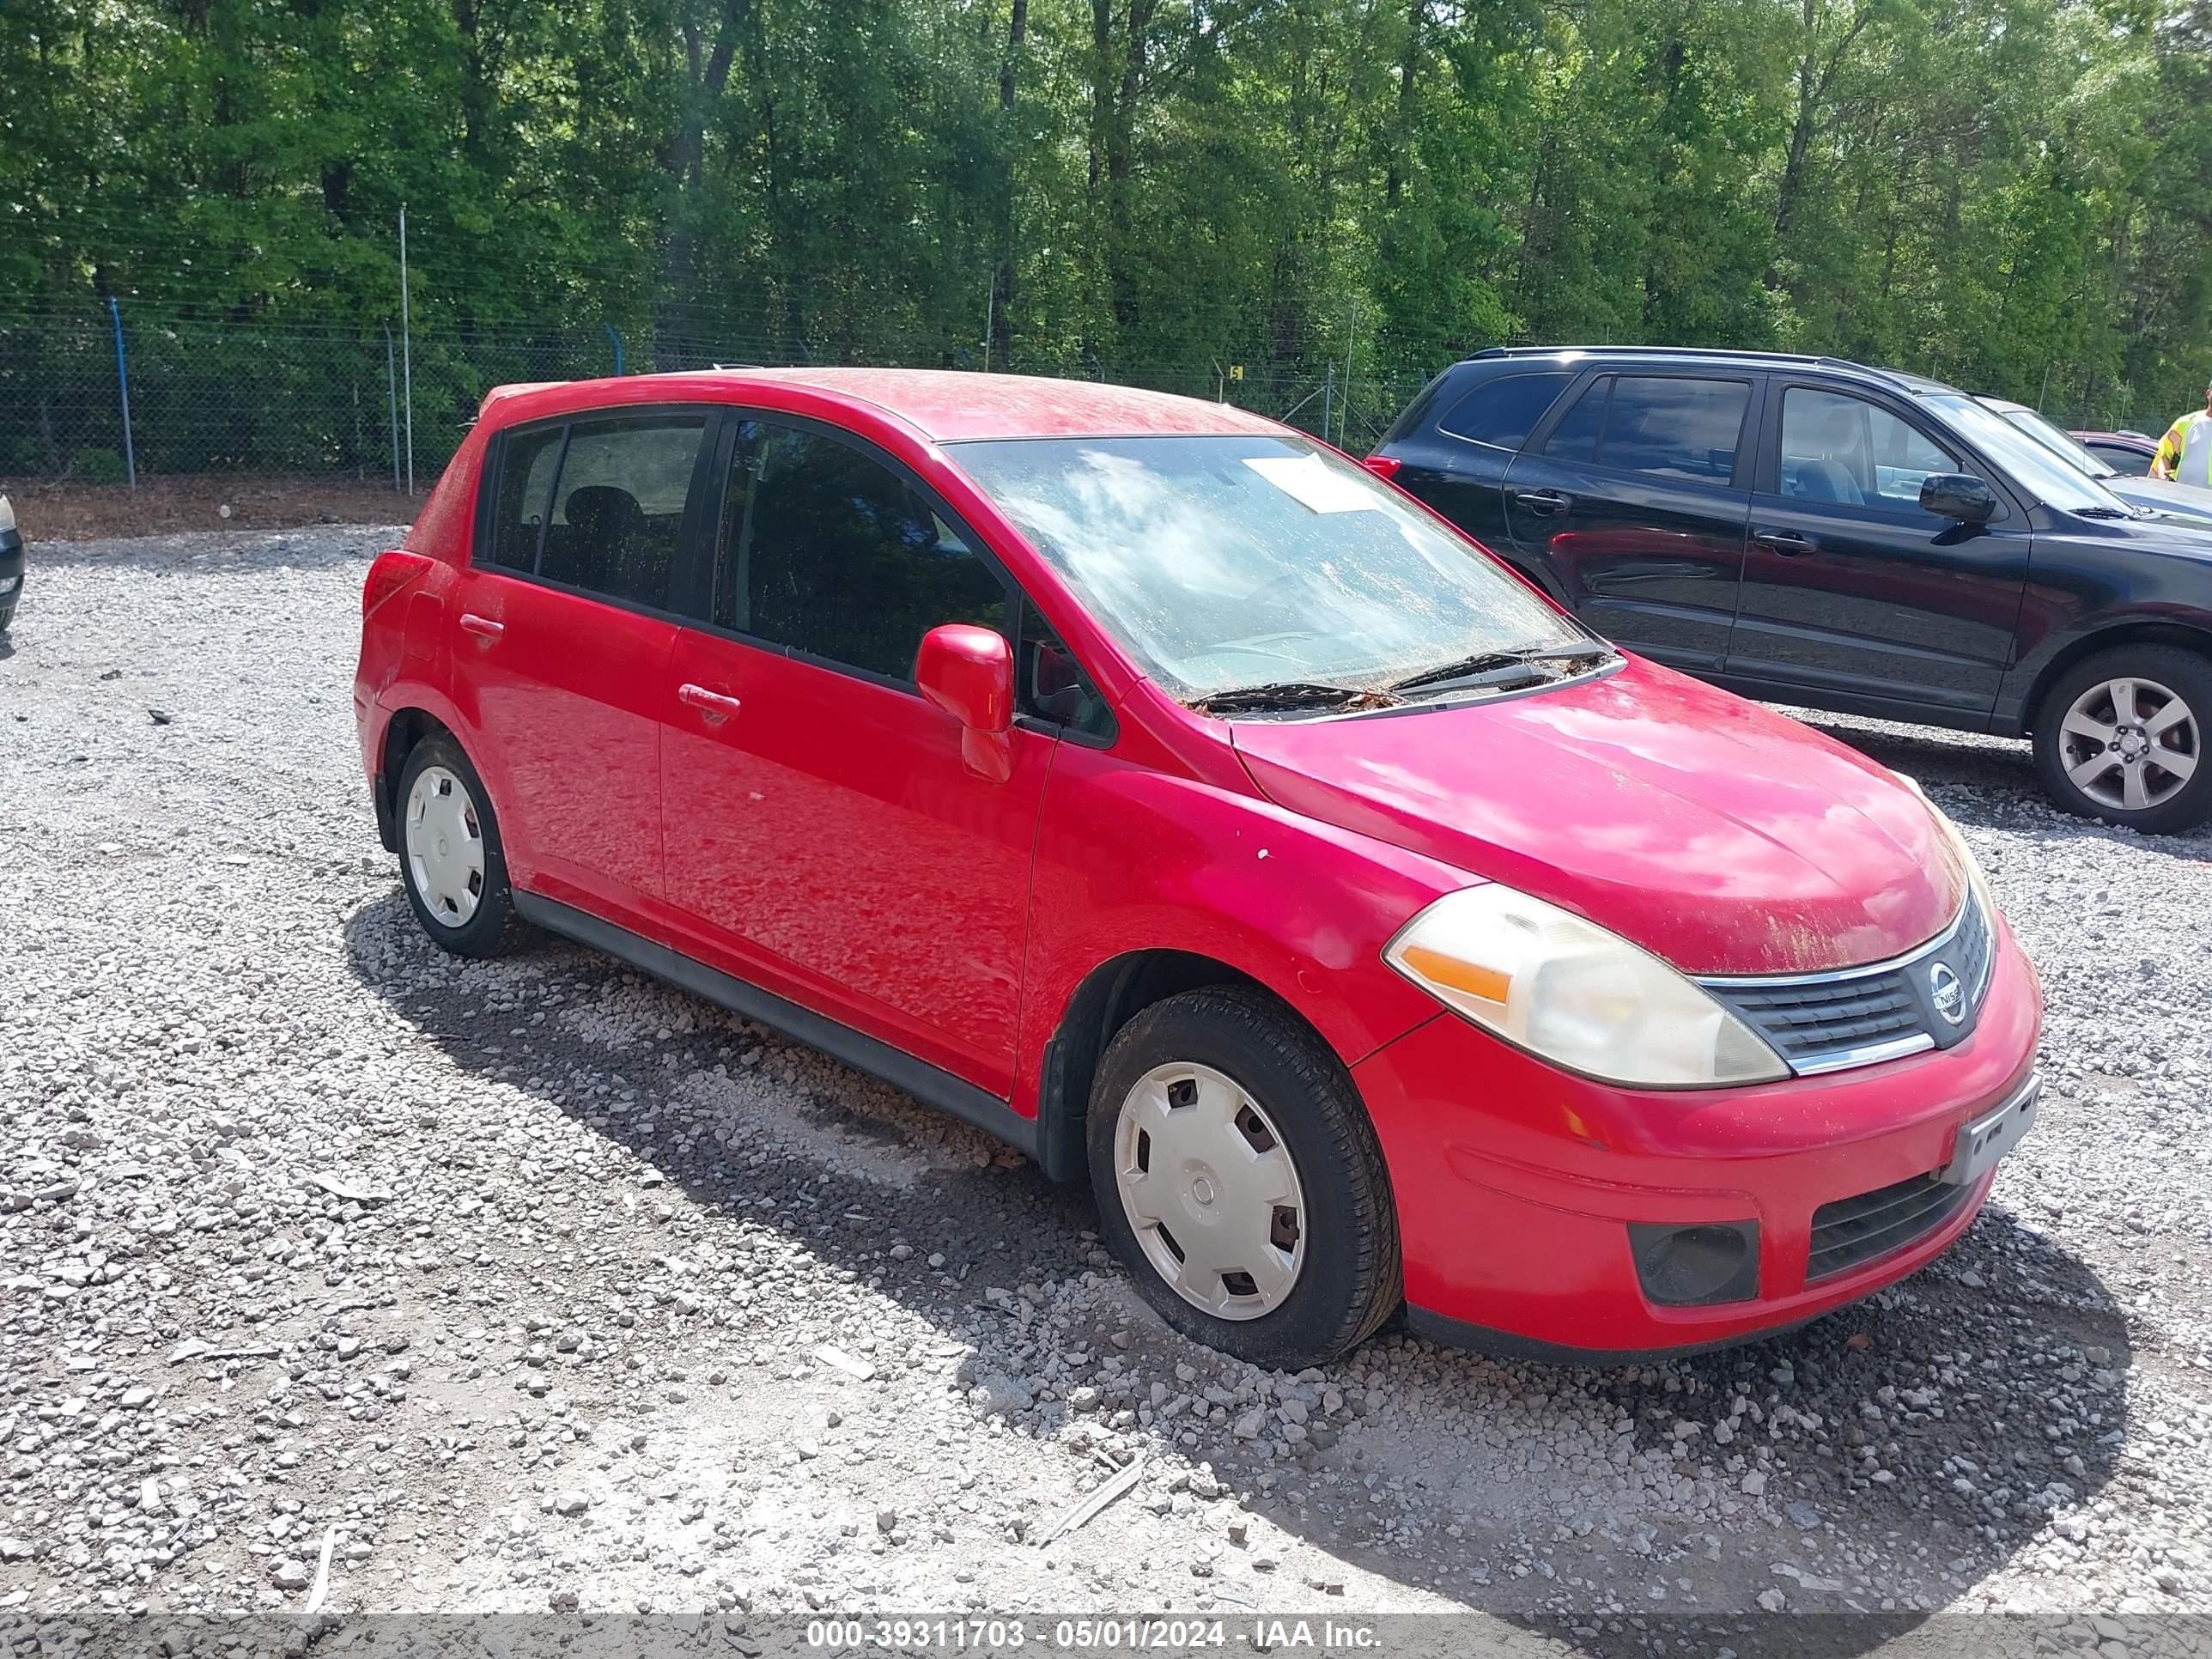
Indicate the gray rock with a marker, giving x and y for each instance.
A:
(999, 1395)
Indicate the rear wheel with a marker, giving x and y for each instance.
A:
(450, 858)
(1238, 1178)
(2121, 737)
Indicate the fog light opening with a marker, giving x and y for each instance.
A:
(1696, 1266)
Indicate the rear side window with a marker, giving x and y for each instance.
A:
(618, 507)
(1503, 412)
(827, 550)
(1575, 438)
(2133, 462)
(1674, 427)
(525, 483)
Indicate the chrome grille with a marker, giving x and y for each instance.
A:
(1856, 1015)
(1807, 1022)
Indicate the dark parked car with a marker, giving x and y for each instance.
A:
(11, 565)
(1810, 531)
(2130, 453)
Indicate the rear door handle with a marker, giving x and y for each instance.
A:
(1788, 543)
(1547, 502)
(484, 627)
(714, 705)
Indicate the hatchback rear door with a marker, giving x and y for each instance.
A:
(1633, 497)
(561, 632)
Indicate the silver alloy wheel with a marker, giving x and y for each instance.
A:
(2129, 744)
(444, 845)
(1210, 1190)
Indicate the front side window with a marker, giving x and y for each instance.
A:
(618, 507)
(1844, 450)
(2125, 463)
(1053, 686)
(1503, 412)
(1224, 562)
(826, 551)
(1675, 427)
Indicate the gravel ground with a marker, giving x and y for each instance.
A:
(537, 1285)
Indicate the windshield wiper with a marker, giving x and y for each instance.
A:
(1290, 694)
(2105, 513)
(1501, 668)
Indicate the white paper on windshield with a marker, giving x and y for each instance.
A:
(1312, 484)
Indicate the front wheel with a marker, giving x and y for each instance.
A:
(2121, 737)
(1238, 1178)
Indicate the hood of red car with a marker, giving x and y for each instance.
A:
(1718, 836)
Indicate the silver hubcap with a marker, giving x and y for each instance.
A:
(1211, 1191)
(445, 846)
(2129, 744)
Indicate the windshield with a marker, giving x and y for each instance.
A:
(2034, 467)
(2062, 444)
(1220, 564)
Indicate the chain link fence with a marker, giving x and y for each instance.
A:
(112, 394)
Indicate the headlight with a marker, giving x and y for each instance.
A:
(1548, 981)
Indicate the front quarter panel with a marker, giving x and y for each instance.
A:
(2085, 582)
(1132, 859)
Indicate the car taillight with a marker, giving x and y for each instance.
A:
(1384, 467)
(391, 572)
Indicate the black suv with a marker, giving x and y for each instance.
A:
(1813, 532)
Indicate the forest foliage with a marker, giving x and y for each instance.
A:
(2015, 194)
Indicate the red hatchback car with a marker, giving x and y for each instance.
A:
(1152, 785)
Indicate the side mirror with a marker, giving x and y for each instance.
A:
(968, 672)
(1958, 496)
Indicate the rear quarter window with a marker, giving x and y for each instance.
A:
(1503, 412)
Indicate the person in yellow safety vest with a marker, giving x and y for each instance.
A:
(2185, 454)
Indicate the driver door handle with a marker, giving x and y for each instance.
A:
(1550, 502)
(1789, 543)
(714, 705)
(483, 627)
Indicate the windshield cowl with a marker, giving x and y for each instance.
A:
(1491, 674)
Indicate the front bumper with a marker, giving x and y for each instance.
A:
(1516, 1183)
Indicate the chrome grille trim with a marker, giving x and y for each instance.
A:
(1845, 1017)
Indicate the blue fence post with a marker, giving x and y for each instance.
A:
(123, 386)
(617, 339)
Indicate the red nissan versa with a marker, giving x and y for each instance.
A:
(1153, 786)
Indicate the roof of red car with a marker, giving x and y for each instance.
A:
(948, 405)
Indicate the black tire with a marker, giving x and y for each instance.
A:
(493, 929)
(1351, 1279)
(2185, 675)
(7, 617)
